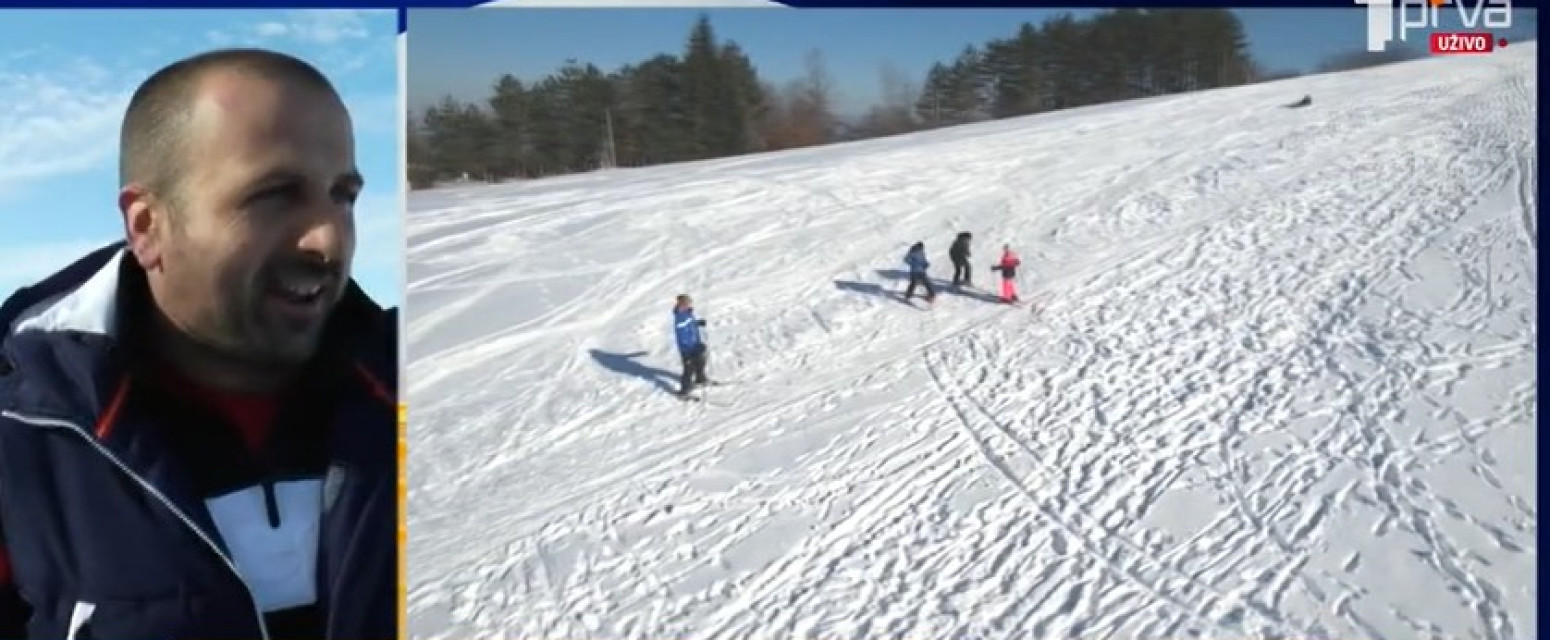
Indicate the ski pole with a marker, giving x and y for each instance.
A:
(705, 340)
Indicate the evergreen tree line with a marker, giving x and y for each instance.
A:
(710, 101)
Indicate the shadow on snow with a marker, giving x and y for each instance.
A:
(942, 287)
(627, 364)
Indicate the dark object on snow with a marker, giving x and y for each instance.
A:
(1305, 101)
(959, 253)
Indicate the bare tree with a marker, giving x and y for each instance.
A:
(820, 85)
(894, 112)
(810, 102)
(899, 92)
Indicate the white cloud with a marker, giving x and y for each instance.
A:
(25, 265)
(338, 41)
(270, 30)
(18, 55)
(57, 123)
(325, 27)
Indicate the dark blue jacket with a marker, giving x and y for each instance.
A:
(100, 525)
(916, 259)
(686, 330)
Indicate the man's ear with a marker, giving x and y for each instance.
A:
(142, 224)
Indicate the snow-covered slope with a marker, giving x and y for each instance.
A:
(1276, 377)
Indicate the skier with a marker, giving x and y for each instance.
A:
(959, 253)
(691, 345)
(916, 259)
(1008, 268)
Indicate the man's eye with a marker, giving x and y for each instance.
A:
(280, 192)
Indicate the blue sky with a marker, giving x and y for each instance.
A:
(462, 52)
(66, 76)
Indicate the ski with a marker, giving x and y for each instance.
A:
(696, 399)
(693, 397)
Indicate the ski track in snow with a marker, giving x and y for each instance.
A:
(1275, 378)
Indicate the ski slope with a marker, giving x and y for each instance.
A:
(1275, 378)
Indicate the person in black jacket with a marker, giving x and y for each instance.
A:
(198, 423)
(959, 254)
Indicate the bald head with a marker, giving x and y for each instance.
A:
(157, 121)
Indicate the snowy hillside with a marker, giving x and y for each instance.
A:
(1276, 377)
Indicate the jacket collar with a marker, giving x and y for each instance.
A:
(79, 298)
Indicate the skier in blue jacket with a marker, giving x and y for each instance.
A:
(691, 344)
(916, 259)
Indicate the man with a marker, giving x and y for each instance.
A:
(916, 260)
(691, 345)
(197, 423)
(959, 254)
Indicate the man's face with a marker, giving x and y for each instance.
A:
(254, 250)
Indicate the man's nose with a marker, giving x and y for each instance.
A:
(328, 232)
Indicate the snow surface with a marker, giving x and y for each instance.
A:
(1276, 379)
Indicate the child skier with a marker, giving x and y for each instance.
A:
(1008, 268)
(916, 259)
(959, 253)
(691, 345)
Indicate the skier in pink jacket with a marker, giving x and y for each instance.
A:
(1008, 268)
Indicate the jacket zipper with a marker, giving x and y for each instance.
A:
(48, 423)
(271, 503)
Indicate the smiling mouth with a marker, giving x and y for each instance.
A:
(300, 294)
